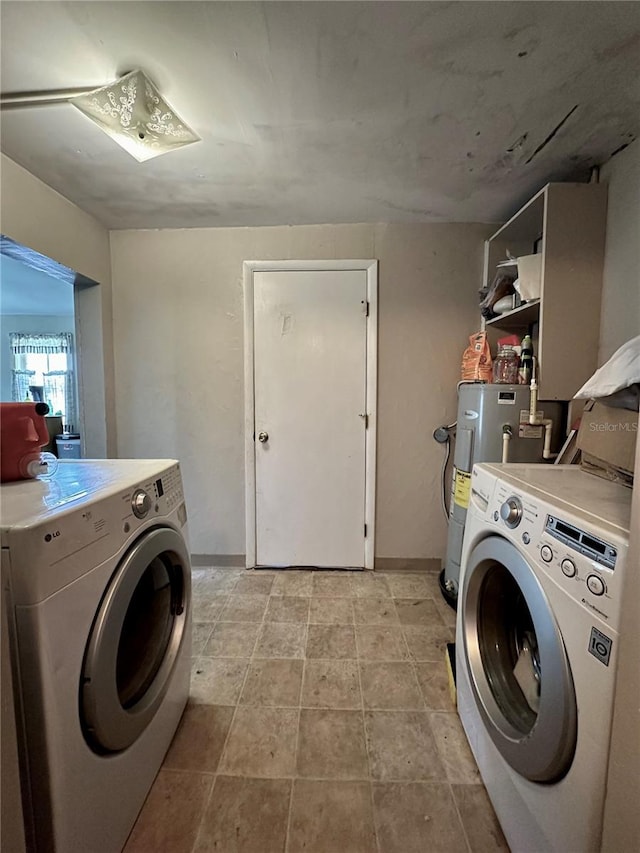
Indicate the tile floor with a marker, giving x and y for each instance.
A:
(319, 721)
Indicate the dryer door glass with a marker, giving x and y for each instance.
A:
(516, 662)
(142, 626)
(147, 629)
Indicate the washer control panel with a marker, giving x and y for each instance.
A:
(591, 546)
(586, 562)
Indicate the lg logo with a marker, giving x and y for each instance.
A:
(49, 536)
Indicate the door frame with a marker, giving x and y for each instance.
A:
(371, 269)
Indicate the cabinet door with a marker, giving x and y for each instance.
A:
(569, 334)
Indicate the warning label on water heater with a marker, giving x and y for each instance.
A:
(527, 430)
(462, 489)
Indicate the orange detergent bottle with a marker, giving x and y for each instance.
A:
(23, 431)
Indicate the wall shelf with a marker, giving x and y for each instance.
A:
(566, 223)
(517, 318)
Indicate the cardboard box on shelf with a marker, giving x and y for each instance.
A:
(607, 439)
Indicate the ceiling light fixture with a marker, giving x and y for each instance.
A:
(130, 110)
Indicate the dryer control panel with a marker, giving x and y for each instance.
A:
(61, 549)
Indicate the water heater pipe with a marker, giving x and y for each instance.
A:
(507, 432)
(534, 420)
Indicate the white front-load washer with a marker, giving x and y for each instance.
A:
(536, 646)
(97, 579)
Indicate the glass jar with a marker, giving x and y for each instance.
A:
(505, 366)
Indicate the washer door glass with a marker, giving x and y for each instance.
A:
(140, 629)
(517, 662)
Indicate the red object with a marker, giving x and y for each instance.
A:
(23, 431)
(510, 341)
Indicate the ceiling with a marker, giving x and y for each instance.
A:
(327, 112)
(26, 290)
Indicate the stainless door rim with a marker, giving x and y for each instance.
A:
(543, 754)
(108, 725)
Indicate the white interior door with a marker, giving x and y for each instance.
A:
(310, 393)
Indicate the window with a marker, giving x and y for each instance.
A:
(43, 371)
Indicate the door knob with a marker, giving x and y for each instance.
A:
(263, 436)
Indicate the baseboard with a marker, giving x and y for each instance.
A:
(382, 564)
(218, 560)
(408, 564)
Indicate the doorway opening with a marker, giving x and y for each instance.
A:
(51, 342)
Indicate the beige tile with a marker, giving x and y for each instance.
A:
(390, 685)
(331, 611)
(287, 608)
(244, 608)
(215, 582)
(245, 816)
(453, 748)
(418, 611)
(447, 614)
(374, 611)
(408, 585)
(331, 641)
(254, 582)
(171, 815)
(331, 745)
(369, 585)
(479, 819)
(292, 582)
(206, 606)
(232, 640)
(378, 642)
(198, 743)
(217, 681)
(428, 644)
(434, 683)
(331, 817)
(334, 586)
(433, 585)
(273, 682)
(261, 743)
(200, 633)
(331, 684)
(416, 817)
(401, 746)
(281, 640)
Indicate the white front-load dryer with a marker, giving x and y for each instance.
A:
(536, 647)
(97, 576)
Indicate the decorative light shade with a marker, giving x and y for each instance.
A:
(134, 114)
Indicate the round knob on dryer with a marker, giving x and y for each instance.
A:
(140, 503)
(511, 512)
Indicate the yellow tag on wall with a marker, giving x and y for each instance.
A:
(462, 489)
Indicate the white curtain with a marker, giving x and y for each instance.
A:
(20, 381)
(22, 342)
(58, 385)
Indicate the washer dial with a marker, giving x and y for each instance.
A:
(511, 511)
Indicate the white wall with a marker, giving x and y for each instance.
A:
(36, 323)
(177, 301)
(620, 319)
(33, 214)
